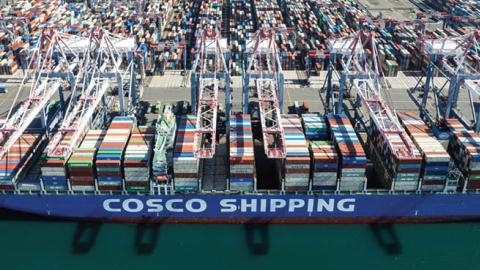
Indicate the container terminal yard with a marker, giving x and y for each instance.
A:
(233, 111)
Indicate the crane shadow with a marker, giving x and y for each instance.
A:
(257, 238)
(387, 238)
(146, 237)
(85, 235)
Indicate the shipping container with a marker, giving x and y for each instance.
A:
(436, 160)
(110, 154)
(297, 161)
(242, 160)
(185, 164)
(352, 157)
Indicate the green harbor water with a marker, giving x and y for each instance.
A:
(30, 244)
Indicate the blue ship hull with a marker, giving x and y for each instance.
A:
(356, 208)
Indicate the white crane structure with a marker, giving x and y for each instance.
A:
(456, 60)
(104, 55)
(362, 71)
(263, 64)
(209, 68)
(53, 66)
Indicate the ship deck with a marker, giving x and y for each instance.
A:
(174, 88)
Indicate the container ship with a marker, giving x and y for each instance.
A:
(239, 111)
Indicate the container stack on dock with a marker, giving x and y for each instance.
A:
(435, 158)
(185, 164)
(352, 158)
(315, 127)
(110, 154)
(210, 16)
(15, 160)
(324, 165)
(175, 37)
(54, 165)
(464, 148)
(241, 29)
(297, 161)
(136, 162)
(397, 165)
(300, 16)
(242, 159)
(81, 165)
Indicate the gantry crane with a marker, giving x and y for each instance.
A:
(53, 66)
(100, 71)
(262, 63)
(210, 66)
(457, 61)
(361, 72)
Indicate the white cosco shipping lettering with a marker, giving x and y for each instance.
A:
(196, 205)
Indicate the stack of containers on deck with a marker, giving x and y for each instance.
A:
(315, 127)
(297, 161)
(185, 164)
(392, 159)
(242, 160)
(81, 165)
(136, 162)
(13, 162)
(54, 171)
(435, 157)
(324, 165)
(110, 154)
(353, 161)
(464, 147)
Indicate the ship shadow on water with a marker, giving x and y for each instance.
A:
(85, 236)
(257, 238)
(387, 238)
(146, 237)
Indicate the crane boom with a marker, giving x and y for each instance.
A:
(265, 66)
(100, 59)
(365, 80)
(210, 63)
(51, 63)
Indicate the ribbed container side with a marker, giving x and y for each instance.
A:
(242, 161)
(464, 148)
(436, 160)
(14, 160)
(110, 154)
(324, 165)
(400, 171)
(315, 127)
(185, 164)
(297, 161)
(54, 169)
(137, 158)
(81, 165)
(352, 157)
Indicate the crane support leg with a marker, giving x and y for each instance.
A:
(121, 95)
(228, 96)
(426, 87)
(452, 96)
(246, 81)
(281, 90)
(329, 102)
(341, 92)
(193, 91)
